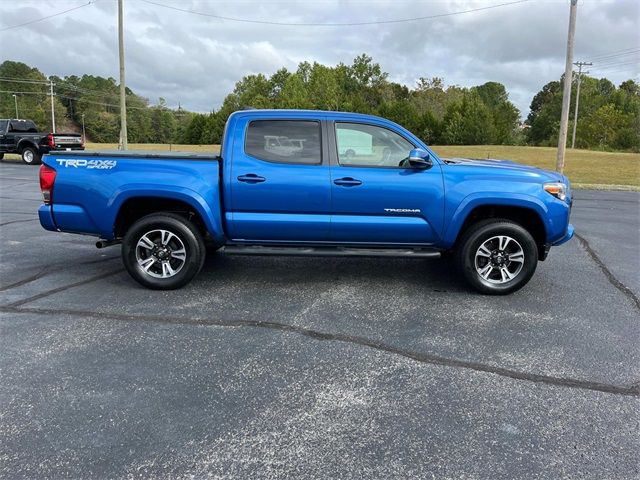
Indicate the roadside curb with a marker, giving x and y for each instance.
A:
(603, 186)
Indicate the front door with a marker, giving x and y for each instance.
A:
(373, 199)
(280, 188)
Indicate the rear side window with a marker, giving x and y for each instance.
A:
(284, 141)
(3, 125)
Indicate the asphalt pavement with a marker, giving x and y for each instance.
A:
(282, 367)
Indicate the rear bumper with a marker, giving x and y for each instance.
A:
(60, 149)
(46, 218)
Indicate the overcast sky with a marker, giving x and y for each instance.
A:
(196, 60)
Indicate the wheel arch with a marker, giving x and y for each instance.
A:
(129, 209)
(25, 143)
(527, 213)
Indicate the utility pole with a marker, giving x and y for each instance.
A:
(575, 110)
(566, 94)
(123, 144)
(53, 112)
(84, 136)
(15, 98)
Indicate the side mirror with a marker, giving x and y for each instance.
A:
(419, 158)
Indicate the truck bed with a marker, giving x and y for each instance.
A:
(92, 186)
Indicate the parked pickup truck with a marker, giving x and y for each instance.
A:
(396, 198)
(22, 137)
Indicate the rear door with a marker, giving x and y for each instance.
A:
(373, 199)
(280, 189)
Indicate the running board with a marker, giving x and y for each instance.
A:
(331, 251)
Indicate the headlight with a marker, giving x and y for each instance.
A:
(557, 189)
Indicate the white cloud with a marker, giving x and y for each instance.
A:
(196, 60)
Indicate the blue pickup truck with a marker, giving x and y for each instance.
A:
(295, 182)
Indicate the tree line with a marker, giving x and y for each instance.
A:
(439, 114)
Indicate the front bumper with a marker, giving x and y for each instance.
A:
(568, 236)
(547, 246)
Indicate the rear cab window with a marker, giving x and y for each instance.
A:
(23, 126)
(285, 141)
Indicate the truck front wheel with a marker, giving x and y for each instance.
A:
(497, 256)
(30, 156)
(163, 251)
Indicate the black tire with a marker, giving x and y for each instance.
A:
(350, 153)
(484, 231)
(189, 237)
(31, 156)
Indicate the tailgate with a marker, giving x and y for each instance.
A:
(67, 140)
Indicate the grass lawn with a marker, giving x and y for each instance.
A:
(583, 167)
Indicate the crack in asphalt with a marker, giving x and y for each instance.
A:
(39, 200)
(49, 269)
(627, 390)
(64, 287)
(426, 358)
(18, 221)
(608, 273)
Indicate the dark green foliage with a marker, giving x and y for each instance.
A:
(609, 117)
(95, 97)
(437, 114)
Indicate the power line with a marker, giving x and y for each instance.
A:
(48, 16)
(615, 61)
(87, 91)
(343, 24)
(24, 93)
(615, 52)
(610, 72)
(15, 80)
(65, 85)
(98, 103)
(617, 56)
(606, 67)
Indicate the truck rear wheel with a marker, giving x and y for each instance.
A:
(163, 251)
(30, 156)
(497, 256)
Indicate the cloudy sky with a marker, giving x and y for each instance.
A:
(196, 59)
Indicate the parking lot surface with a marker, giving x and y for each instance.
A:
(267, 367)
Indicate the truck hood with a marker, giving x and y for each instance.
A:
(508, 165)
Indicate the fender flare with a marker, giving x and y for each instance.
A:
(22, 144)
(481, 199)
(211, 220)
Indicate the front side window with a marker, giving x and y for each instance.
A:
(361, 145)
(284, 141)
